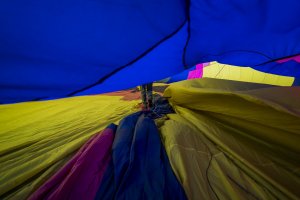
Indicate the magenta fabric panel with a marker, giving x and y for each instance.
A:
(81, 176)
(198, 72)
(55, 180)
(199, 66)
(192, 74)
(295, 58)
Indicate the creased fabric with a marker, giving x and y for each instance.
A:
(82, 175)
(234, 140)
(140, 168)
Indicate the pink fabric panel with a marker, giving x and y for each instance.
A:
(295, 58)
(81, 176)
(198, 73)
(199, 66)
(192, 74)
(205, 64)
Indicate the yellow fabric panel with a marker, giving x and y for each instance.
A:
(202, 169)
(37, 136)
(234, 140)
(27, 188)
(247, 74)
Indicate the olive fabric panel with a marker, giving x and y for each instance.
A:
(82, 175)
(237, 73)
(37, 138)
(232, 140)
(245, 74)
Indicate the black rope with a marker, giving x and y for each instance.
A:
(274, 60)
(188, 36)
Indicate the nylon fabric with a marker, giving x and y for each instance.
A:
(140, 168)
(37, 138)
(51, 49)
(237, 73)
(233, 140)
(54, 49)
(245, 74)
(243, 33)
(288, 68)
(107, 187)
(169, 55)
(82, 175)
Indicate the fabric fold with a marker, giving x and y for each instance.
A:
(81, 176)
(141, 169)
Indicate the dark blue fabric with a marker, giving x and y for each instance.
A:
(107, 187)
(290, 68)
(113, 127)
(181, 76)
(140, 164)
(243, 33)
(121, 149)
(296, 82)
(52, 49)
(164, 61)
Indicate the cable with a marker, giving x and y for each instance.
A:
(188, 36)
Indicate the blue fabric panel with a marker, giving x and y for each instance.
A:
(164, 61)
(141, 169)
(149, 175)
(181, 76)
(50, 49)
(243, 33)
(107, 187)
(296, 82)
(290, 68)
(120, 158)
(121, 146)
